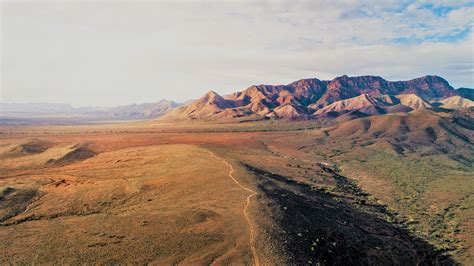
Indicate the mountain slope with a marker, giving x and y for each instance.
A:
(456, 102)
(428, 87)
(302, 98)
(288, 111)
(466, 93)
(418, 163)
(208, 105)
(413, 101)
(364, 103)
(421, 126)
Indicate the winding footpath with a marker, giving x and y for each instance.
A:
(247, 217)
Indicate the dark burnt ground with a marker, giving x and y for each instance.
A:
(14, 201)
(342, 228)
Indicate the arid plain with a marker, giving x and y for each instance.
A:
(211, 132)
(258, 193)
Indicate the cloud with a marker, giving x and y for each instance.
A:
(106, 52)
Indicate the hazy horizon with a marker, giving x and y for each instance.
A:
(257, 163)
(148, 102)
(107, 54)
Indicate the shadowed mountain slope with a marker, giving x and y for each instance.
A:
(466, 93)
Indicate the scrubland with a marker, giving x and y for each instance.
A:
(163, 193)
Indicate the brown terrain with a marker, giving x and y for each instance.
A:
(456, 102)
(357, 171)
(305, 98)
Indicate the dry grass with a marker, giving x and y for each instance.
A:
(152, 193)
(167, 204)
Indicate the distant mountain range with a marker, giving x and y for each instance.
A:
(132, 111)
(311, 98)
(343, 97)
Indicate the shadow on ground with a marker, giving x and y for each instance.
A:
(315, 227)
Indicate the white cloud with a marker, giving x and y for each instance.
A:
(90, 52)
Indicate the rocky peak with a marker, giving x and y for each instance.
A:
(212, 98)
(305, 96)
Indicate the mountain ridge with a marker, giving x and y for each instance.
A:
(303, 98)
(148, 110)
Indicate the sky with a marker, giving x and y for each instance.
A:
(106, 53)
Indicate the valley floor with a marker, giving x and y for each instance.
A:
(106, 194)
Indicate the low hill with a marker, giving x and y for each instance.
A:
(406, 132)
(419, 163)
(456, 102)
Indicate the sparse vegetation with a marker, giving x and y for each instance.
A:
(147, 178)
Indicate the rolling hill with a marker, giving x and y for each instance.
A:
(388, 189)
(456, 102)
(418, 163)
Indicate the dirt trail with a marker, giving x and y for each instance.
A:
(247, 217)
